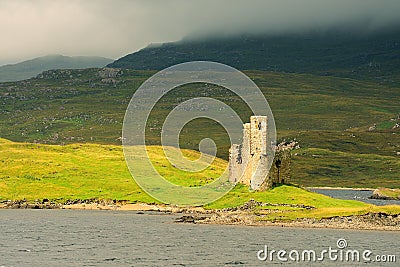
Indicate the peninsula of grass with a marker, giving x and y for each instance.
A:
(92, 171)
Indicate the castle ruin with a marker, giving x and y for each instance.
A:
(248, 162)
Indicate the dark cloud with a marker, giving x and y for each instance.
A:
(113, 28)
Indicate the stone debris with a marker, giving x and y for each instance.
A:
(190, 219)
(372, 128)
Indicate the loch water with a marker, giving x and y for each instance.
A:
(127, 238)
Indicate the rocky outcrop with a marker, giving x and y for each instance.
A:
(190, 219)
(24, 204)
(369, 221)
(110, 73)
(386, 194)
(48, 204)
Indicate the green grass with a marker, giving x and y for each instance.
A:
(281, 194)
(77, 171)
(319, 167)
(86, 171)
(181, 177)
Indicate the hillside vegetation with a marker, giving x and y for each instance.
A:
(332, 118)
(342, 53)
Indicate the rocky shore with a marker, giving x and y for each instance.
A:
(369, 221)
(96, 204)
(23, 204)
(242, 215)
(245, 215)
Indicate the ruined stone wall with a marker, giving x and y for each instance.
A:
(246, 155)
(235, 163)
(280, 172)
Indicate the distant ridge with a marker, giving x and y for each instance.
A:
(359, 55)
(31, 68)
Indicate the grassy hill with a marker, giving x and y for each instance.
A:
(30, 68)
(329, 116)
(84, 171)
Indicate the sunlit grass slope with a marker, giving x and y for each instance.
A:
(77, 171)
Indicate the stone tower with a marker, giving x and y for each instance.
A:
(248, 162)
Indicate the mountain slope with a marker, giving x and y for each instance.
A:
(329, 116)
(30, 68)
(373, 56)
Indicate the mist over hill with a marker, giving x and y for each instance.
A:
(31, 68)
(354, 54)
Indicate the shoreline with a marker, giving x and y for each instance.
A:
(236, 216)
(339, 188)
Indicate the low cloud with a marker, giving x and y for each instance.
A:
(115, 28)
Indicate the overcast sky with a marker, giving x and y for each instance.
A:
(113, 28)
